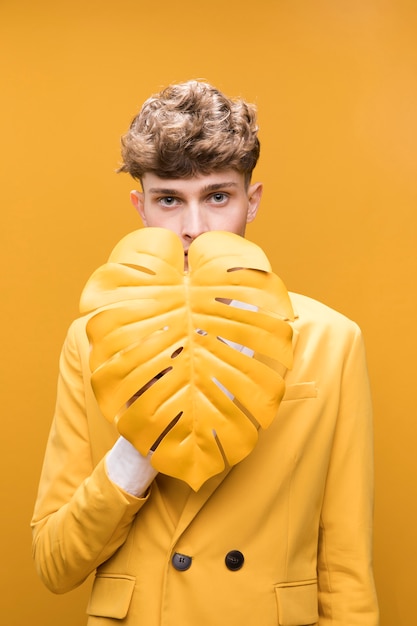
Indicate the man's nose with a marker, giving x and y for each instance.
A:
(194, 222)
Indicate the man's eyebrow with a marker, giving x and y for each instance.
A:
(162, 190)
(216, 186)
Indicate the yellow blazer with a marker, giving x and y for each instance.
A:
(283, 538)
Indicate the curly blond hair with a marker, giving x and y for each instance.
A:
(188, 129)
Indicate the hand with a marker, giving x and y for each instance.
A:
(129, 469)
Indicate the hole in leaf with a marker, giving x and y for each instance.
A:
(223, 300)
(274, 364)
(236, 402)
(221, 449)
(222, 388)
(140, 268)
(147, 386)
(246, 412)
(237, 304)
(166, 431)
(177, 352)
(163, 372)
(237, 346)
(249, 269)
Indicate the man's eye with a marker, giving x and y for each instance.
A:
(218, 198)
(168, 201)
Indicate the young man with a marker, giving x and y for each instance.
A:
(282, 537)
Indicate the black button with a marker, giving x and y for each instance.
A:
(234, 560)
(181, 562)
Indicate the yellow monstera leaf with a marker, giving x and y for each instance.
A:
(188, 364)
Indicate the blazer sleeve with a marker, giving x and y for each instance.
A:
(80, 517)
(346, 587)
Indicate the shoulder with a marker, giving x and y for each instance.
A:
(76, 345)
(77, 330)
(317, 317)
(326, 341)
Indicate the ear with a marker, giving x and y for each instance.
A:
(254, 199)
(138, 201)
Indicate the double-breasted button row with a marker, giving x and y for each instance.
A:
(233, 560)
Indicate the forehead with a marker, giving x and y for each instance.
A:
(152, 183)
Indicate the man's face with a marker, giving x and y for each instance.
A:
(192, 206)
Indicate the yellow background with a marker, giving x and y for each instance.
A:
(336, 87)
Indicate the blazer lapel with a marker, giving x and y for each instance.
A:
(196, 500)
